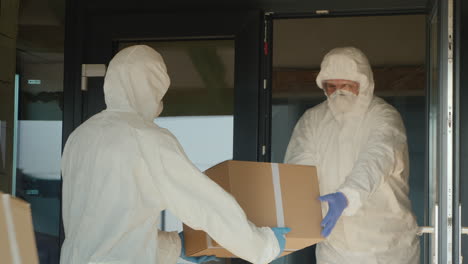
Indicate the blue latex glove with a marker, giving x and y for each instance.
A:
(201, 259)
(280, 233)
(337, 202)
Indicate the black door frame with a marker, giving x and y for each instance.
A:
(268, 62)
(242, 26)
(96, 44)
(258, 108)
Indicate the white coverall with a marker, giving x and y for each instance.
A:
(120, 170)
(362, 153)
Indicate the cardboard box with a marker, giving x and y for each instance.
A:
(271, 194)
(17, 243)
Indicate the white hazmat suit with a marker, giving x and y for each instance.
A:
(120, 170)
(362, 153)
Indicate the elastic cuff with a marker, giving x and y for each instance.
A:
(273, 252)
(354, 201)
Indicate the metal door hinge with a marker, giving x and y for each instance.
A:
(91, 70)
(263, 150)
(463, 231)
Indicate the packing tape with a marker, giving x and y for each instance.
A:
(278, 196)
(11, 230)
(278, 202)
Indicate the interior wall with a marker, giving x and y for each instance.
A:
(386, 40)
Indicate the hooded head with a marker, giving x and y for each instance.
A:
(351, 64)
(136, 81)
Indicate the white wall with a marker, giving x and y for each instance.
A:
(39, 148)
(207, 141)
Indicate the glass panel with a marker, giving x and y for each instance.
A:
(40, 67)
(199, 105)
(7, 93)
(202, 76)
(397, 54)
(434, 144)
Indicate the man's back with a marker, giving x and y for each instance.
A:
(105, 214)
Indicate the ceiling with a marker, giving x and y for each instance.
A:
(386, 40)
(41, 31)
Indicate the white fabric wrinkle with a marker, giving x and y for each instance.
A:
(363, 153)
(120, 170)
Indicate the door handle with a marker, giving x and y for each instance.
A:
(463, 231)
(434, 231)
(91, 70)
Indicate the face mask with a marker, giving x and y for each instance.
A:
(342, 101)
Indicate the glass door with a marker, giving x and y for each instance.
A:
(442, 205)
(213, 59)
(434, 139)
(198, 107)
(397, 55)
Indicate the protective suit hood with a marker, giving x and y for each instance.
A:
(349, 63)
(132, 170)
(136, 81)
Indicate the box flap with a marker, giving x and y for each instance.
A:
(220, 175)
(24, 231)
(5, 252)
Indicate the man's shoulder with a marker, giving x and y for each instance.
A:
(319, 109)
(381, 112)
(380, 106)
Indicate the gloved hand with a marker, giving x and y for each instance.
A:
(280, 233)
(201, 259)
(337, 202)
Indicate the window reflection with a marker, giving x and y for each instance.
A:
(199, 105)
(39, 136)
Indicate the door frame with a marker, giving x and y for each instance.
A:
(242, 26)
(461, 138)
(268, 68)
(96, 44)
(256, 132)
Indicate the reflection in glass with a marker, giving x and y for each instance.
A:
(40, 63)
(434, 144)
(202, 76)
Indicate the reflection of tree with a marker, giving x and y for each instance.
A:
(44, 97)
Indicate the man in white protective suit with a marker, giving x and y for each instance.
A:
(358, 143)
(120, 170)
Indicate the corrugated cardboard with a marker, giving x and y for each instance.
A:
(252, 185)
(17, 243)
